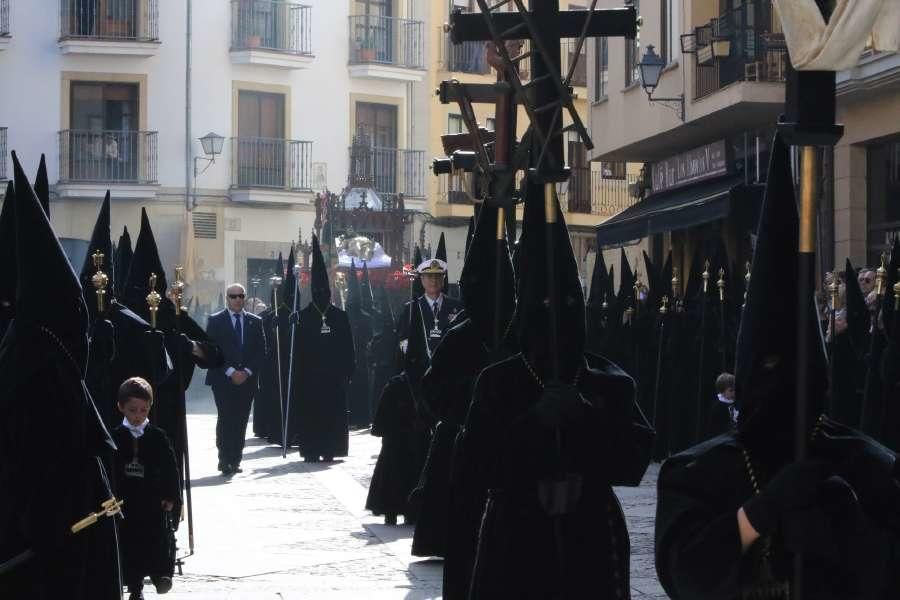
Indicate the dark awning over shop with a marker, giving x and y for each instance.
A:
(680, 209)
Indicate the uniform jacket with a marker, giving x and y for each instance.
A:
(220, 328)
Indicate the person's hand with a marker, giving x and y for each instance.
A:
(239, 377)
(168, 505)
(795, 487)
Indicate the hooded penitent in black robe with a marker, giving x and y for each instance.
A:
(53, 445)
(169, 409)
(401, 424)
(266, 402)
(361, 325)
(843, 506)
(7, 259)
(123, 345)
(448, 383)
(540, 456)
(848, 355)
(324, 362)
(383, 351)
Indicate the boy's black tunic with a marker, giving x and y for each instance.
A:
(540, 456)
(403, 429)
(144, 535)
(53, 445)
(447, 386)
(840, 509)
(324, 362)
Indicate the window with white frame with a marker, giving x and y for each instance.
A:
(632, 50)
(670, 30)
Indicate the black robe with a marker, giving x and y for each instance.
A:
(404, 443)
(146, 538)
(324, 363)
(447, 392)
(123, 345)
(269, 400)
(52, 474)
(265, 404)
(360, 405)
(698, 547)
(503, 455)
(169, 411)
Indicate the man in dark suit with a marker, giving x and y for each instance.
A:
(439, 311)
(240, 335)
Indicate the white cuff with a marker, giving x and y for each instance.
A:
(249, 372)
(229, 371)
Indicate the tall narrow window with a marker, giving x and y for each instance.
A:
(670, 30)
(261, 143)
(454, 123)
(601, 68)
(632, 74)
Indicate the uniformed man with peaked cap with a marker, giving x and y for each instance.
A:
(439, 311)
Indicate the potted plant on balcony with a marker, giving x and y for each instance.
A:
(366, 49)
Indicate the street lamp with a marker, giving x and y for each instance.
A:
(651, 68)
(212, 146)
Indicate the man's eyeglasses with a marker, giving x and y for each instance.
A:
(236, 296)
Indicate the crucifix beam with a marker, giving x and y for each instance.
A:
(478, 93)
(610, 22)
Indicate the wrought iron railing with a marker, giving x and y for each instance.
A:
(272, 25)
(757, 51)
(589, 192)
(453, 188)
(467, 57)
(134, 20)
(271, 163)
(3, 153)
(388, 170)
(108, 156)
(579, 77)
(387, 40)
(4, 17)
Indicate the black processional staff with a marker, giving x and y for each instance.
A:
(176, 291)
(661, 343)
(723, 345)
(293, 321)
(275, 282)
(702, 366)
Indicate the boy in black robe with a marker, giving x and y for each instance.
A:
(734, 511)
(147, 478)
(401, 424)
(549, 431)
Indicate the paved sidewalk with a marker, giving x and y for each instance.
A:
(290, 530)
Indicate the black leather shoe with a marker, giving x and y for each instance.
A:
(228, 470)
(390, 519)
(237, 469)
(136, 596)
(162, 584)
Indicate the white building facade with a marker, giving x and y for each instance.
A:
(102, 90)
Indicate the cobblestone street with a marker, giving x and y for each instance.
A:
(290, 530)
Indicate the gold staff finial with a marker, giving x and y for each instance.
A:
(664, 307)
(880, 276)
(706, 277)
(833, 289)
(897, 294)
(176, 290)
(153, 300)
(676, 283)
(100, 280)
(721, 284)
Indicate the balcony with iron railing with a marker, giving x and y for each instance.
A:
(3, 153)
(569, 48)
(593, 193)
(742, 44)
(115, 157)
(271, 164)
(386, 48)
(470, 57)
(4, 24)
(109, 27)
(388, 171)
(274, 33)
